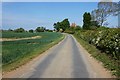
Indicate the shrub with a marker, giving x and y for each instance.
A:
(19, 30)
(31, 31)
(107, 40)
(40, 29)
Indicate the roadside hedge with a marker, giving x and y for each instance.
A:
(107, 41)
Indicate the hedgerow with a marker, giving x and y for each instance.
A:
(107, 41)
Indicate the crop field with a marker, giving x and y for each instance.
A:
(13, 51)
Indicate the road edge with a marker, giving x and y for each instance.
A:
(95, 65)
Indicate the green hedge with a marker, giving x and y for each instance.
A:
(107, 41)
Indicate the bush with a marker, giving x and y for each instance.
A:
(70, 30)
(107, 40)
(49, 30)
(102, 28)
(19, 30)
(40, 29)
(31, 31)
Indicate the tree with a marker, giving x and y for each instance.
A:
(10, 30)
(65, 24)
(86, 20)
(57, 26)
(94, 24)
(77, 28)
(31, 31)
(115, 8)
(105, 9)
(95, 15)
(48, 30)
(19, 30)
(62, 26)
(40, 29)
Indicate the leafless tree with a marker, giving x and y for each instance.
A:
(104, 10)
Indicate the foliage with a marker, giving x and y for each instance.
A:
(40, 29)
(48, 30)
(57, 26)
(102, 28)
(62, 25)
(111, 64)
(115, 9)
(10, 30)
(31, 30)
(94, 25)
(107, 41)
(72, 30)
(78, 28)
(86, 21)
(19, 30)
(105, 9)
(65, 24)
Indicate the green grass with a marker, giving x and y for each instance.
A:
(108, 63)
(17, 53)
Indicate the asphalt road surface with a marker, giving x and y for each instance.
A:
(65, 60)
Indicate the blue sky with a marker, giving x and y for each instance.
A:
(30, 15)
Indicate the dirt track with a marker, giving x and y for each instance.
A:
(14, 39)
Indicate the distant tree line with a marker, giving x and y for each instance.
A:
(38, 29)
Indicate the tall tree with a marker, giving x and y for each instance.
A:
(66, 23)
(40, 29)
(86, 20)
(62, 25)
(57, 26)
(115, 9)
(105, 9)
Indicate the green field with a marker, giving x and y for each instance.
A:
(16, 53)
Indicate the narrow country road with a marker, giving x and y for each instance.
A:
(67, 59)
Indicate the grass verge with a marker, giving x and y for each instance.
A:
(107, 62)
(23, 60)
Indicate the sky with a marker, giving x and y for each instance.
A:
(30, 15)
(58, 0)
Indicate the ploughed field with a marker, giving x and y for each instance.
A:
(15, 50)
